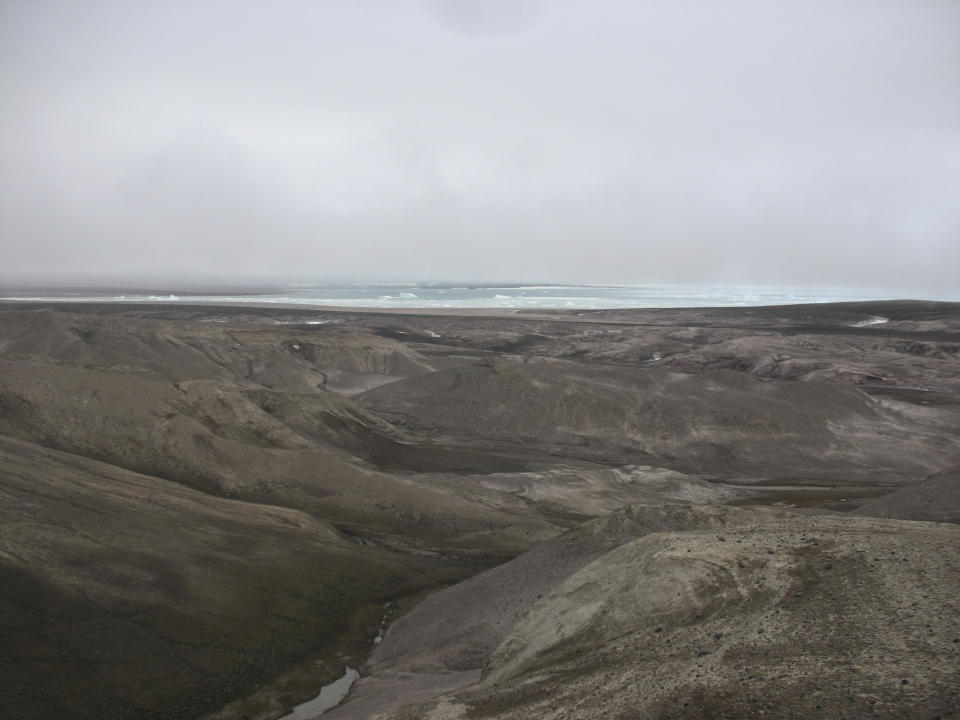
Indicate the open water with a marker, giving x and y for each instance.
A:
(490, 296)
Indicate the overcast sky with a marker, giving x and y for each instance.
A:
(755, 141)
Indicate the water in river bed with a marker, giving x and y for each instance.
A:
(330, 696)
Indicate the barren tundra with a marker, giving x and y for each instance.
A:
(207, 511)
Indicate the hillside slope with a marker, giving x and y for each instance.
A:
(789, 617)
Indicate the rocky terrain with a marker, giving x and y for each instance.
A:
(782, 616)
(207, 509)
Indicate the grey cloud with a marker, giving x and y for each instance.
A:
(485, 17)
(794, 142)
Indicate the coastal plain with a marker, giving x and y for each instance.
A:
(209, 510)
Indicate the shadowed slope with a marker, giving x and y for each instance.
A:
(124, 595)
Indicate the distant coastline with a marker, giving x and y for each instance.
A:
(443, 296)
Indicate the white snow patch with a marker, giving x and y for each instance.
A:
(875, 320)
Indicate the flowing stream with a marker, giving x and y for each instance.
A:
(330, 696)
(333, 694)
